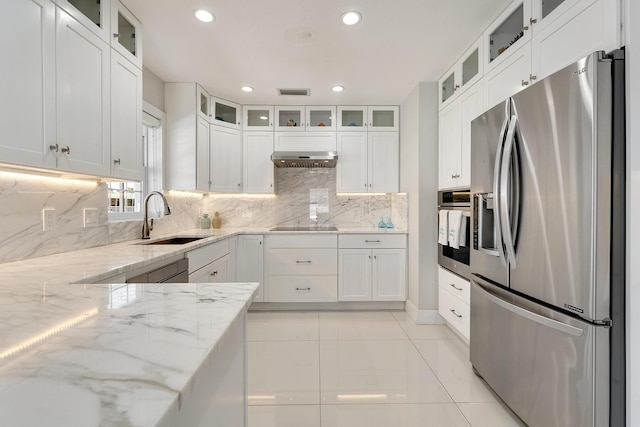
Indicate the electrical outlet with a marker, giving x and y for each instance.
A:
(91, 217)
(49, 219)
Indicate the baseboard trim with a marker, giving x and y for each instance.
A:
(423, 317)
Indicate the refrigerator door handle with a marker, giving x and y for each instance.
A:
(519, 311)
(505, 221)
(496, 184)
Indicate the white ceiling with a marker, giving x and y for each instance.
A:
(268, 44)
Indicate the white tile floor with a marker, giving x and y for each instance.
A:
(369, 369)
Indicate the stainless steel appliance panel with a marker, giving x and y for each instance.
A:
(456, 260)
(564, 158)
(488, 133)
(551, 369)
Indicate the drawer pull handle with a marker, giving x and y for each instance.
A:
(303, 262)
(455, 287)
(459, 316)
(372, 241)
(303, 289)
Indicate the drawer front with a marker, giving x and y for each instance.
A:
(303, 262)
(387, 241)
(200, 257)
(303, 289)
(455, 312)
(454, 284)
(302, 240)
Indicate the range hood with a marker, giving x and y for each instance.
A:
(305, 159)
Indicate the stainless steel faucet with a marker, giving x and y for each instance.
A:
(146, 228)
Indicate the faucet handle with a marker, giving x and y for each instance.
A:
(151, 225)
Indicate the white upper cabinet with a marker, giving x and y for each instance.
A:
(126, 119)
(203, 108)
(126, 33)
(258, 169)
(571, 31)
(455, 137)
(383, 118)
(225, 159)
(225, 113)
(93, 14)
(367, 162)
(28, 106)
(352, 118)
(467, 71)
(257, 117)
(83, 98)
(305, 118)
(290, 118)
(511, 30)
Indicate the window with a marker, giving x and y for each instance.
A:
(125, 199)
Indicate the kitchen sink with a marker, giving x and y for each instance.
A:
(172, 241)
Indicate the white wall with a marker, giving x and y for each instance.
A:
(632, 36)
(152, 89)
(419, 179)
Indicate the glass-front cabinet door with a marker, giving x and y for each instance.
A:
(204, 103)
(126, 33)
(548, 6)
(509, 32)
(225, 113)
(258, 117)
(290, 118)
(93, 14)
(447, 87)
(352, 118)
(384, 118)
(321, 118)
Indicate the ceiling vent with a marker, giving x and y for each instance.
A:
(294, 92)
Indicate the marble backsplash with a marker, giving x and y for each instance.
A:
(304, 197)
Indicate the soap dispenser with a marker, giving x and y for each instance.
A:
(217, 220)
(205, 222)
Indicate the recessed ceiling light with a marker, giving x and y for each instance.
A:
(247, 89)
(351, 18)
(204, 15)
(337, 88)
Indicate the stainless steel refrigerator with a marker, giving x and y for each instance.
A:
(547, 257)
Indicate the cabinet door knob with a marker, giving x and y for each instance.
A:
(525, 28)
(116, 161)
(66, 150)
(532, 77)
(456, 87)
(116, 35)
(54, 148)
(532, 21)
(525, 83)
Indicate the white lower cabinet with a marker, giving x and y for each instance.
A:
(210, 264)
(249, 261)
(301, 268)
(453, 301)
(372, 268)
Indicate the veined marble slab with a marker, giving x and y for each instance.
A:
(110, 354)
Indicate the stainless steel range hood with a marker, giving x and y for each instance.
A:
(305, 159)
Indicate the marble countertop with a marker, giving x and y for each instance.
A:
(76, 353)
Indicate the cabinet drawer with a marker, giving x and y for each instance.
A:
(455, 312)
(303, 262)
(302, 241)
(387, 241)
(303, 289)
(454, 284)
(200, 257)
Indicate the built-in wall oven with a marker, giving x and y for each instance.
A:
(456, 260)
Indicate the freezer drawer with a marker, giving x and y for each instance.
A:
(551, 369)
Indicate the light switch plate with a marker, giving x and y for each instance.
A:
(91, 217)
(49, 219)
